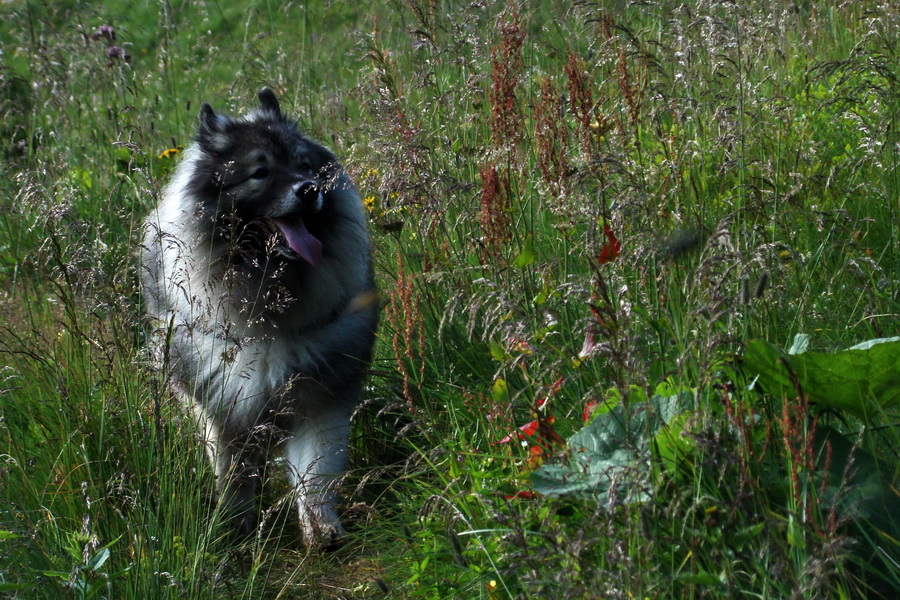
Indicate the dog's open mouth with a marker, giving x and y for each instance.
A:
(301, 242)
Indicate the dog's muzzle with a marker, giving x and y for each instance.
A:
(301, 242)
(309, 195)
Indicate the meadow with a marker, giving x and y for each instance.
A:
(639, 268)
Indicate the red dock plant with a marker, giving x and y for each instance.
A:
(506, 61)
(580, 99)
(408, 338)
(550, 134)
(495, 211)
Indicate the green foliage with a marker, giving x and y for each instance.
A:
(609, 452)
(861, 485)
(862, 380)
(571, 204)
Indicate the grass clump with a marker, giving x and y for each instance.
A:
(610, 239)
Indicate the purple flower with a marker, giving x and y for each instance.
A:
(104, 31)
(114, 52)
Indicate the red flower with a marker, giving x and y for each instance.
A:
(589, 407)
(528, 429)
(611, 248)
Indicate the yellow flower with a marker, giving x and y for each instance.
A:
(369, 203)
(171, 152)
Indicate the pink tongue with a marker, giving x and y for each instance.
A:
(301, 240)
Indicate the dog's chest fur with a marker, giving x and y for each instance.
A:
(254, 330)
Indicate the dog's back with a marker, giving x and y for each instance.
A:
(256, 271)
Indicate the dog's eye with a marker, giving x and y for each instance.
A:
(305, 166)
(260, 173)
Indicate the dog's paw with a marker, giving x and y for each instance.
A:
(325, 536)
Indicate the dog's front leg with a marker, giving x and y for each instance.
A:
(316, 456)
(237, 467)
(236, 463)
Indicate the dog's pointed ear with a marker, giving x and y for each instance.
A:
(210, 122)
(212, 127)
(268, 101)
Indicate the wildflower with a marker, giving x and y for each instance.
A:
(589, 407)
(535, 457)
(521, 494)
(556, 386)
(521, 346)
(550, 134)
(171, 152)
(589, 346)
(632, 90)
(104, 31)
(600, 125)
(611, 248)
(116, 52)
(528, 429)
(495, 209)
(580, 97)
(506, 60)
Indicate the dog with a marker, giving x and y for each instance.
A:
(256, 271)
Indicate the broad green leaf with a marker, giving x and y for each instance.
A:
(526, 256)
(699, 578)
(672, 446)
(10, 587)
(801, 343)
(863, 380)
(609, 451)
(500, 391)
(122, 154)
(99, 559)
(869, 343)
(82, 178)
(870, 493)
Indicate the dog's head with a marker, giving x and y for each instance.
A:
(261, 168)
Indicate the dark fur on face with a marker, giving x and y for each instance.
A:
(264, 170)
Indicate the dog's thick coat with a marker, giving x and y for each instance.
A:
(256, 273)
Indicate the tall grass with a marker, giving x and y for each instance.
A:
(576, 208)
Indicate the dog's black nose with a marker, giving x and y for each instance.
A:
(306, 189)
(308, 195)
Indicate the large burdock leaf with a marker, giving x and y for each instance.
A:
(861, 485)
(864, 379)
(610, 453)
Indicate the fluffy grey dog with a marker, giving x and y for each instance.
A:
(256, 272)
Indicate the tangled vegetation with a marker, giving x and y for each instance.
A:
(639, 275)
